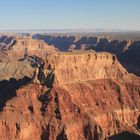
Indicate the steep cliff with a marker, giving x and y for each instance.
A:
(81, 96)
(126, 49)
(80, 66)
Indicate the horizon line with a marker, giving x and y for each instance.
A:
(67, 30)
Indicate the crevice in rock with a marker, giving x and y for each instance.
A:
(46, 133)
(119, 96)
(57, 110)
(96, 135)
(46, 75)
(45, 99)
(17, 128)
(62, 135)
(138, 124)
(50, 79)
(31, 109)
(87, 132)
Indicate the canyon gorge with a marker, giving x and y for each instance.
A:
(69, 88)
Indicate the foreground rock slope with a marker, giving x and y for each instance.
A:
(74, 96)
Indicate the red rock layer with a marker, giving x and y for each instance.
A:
(91, 109)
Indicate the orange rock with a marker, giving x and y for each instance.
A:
(90, 97)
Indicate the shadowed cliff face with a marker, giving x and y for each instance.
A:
(127, 51)
(81, 96)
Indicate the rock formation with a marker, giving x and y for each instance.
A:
(77, 67)
(20, 55)
(17, 47)
(81, 96)
(127, 51)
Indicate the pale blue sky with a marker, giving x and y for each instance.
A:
(69, 14)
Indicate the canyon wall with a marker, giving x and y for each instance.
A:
(16, 47)
(20, 55)
(127, 51)
(78, 96)
(73, 67)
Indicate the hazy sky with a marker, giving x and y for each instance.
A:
(69, 14)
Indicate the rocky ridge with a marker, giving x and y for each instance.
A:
(80, 66)
(126, 50)
(81, 96)
(17, 47)
(20, 55)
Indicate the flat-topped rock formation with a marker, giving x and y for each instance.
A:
(80, 66)
(127, 51)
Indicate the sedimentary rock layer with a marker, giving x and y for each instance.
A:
(127, 51)
(84, 96)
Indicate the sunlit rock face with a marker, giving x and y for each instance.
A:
(126, 50)
(80, 96)
(85, 66)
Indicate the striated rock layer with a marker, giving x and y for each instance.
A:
(126, 49)
(81, 96)
(16, 47)
(85, 66)
(19, 55)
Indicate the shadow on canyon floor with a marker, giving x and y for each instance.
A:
(8, 89)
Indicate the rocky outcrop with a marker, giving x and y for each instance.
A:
(17, 47)
(127, 51)
(21, 55)
(16, 70)
(80, 66)
(81, 96)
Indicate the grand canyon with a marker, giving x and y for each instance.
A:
(69, 87)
